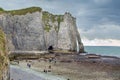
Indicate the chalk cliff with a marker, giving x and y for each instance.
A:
(4, 64)
(33, 29)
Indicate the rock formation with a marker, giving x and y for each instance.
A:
(32, 29)
(4, 64)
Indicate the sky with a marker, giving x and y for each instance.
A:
(98, 21)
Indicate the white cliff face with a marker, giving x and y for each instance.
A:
(68, 35)
(25, 31)
(39, 30)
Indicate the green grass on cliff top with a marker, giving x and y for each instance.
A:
(21, 11)
(47, 17)
(1, 9)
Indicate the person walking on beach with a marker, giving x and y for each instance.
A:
(29, 65)
(45, 71)
(49, 67)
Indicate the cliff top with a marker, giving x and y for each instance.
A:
(1, 9)
(21, 11)
(53, 18)
(29, 10)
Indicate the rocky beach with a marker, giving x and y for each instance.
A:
(75, 67)
(39, 45)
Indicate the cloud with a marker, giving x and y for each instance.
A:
(101, 42)
(102, 1)
(101, 35)
(96, 19)
(103, 31)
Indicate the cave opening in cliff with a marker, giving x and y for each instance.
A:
(50, 47)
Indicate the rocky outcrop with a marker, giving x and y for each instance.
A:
(68, 34)
(32, 29)
(4, 64)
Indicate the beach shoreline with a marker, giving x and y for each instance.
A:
(76, 66)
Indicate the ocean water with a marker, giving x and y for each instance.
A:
(104, 50)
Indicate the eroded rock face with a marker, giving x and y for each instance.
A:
(68, 34)
(4, 64)
(24, 32)
(39, 30)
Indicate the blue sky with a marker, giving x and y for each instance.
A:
(98, 20)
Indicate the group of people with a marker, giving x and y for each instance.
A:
(48, 70)
(13, 79)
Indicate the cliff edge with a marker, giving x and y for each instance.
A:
(32, 29)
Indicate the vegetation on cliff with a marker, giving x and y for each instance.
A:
(21, 11)
(1, 9)
(48, 17)
(3, 54)
(41, 29)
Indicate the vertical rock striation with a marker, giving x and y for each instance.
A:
(33, 29)
(68, 34)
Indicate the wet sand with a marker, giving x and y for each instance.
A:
(22, 73)
(77, 67)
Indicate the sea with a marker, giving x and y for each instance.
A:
(104, 50)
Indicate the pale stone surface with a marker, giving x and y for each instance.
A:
(68, 34)
(27, 32)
